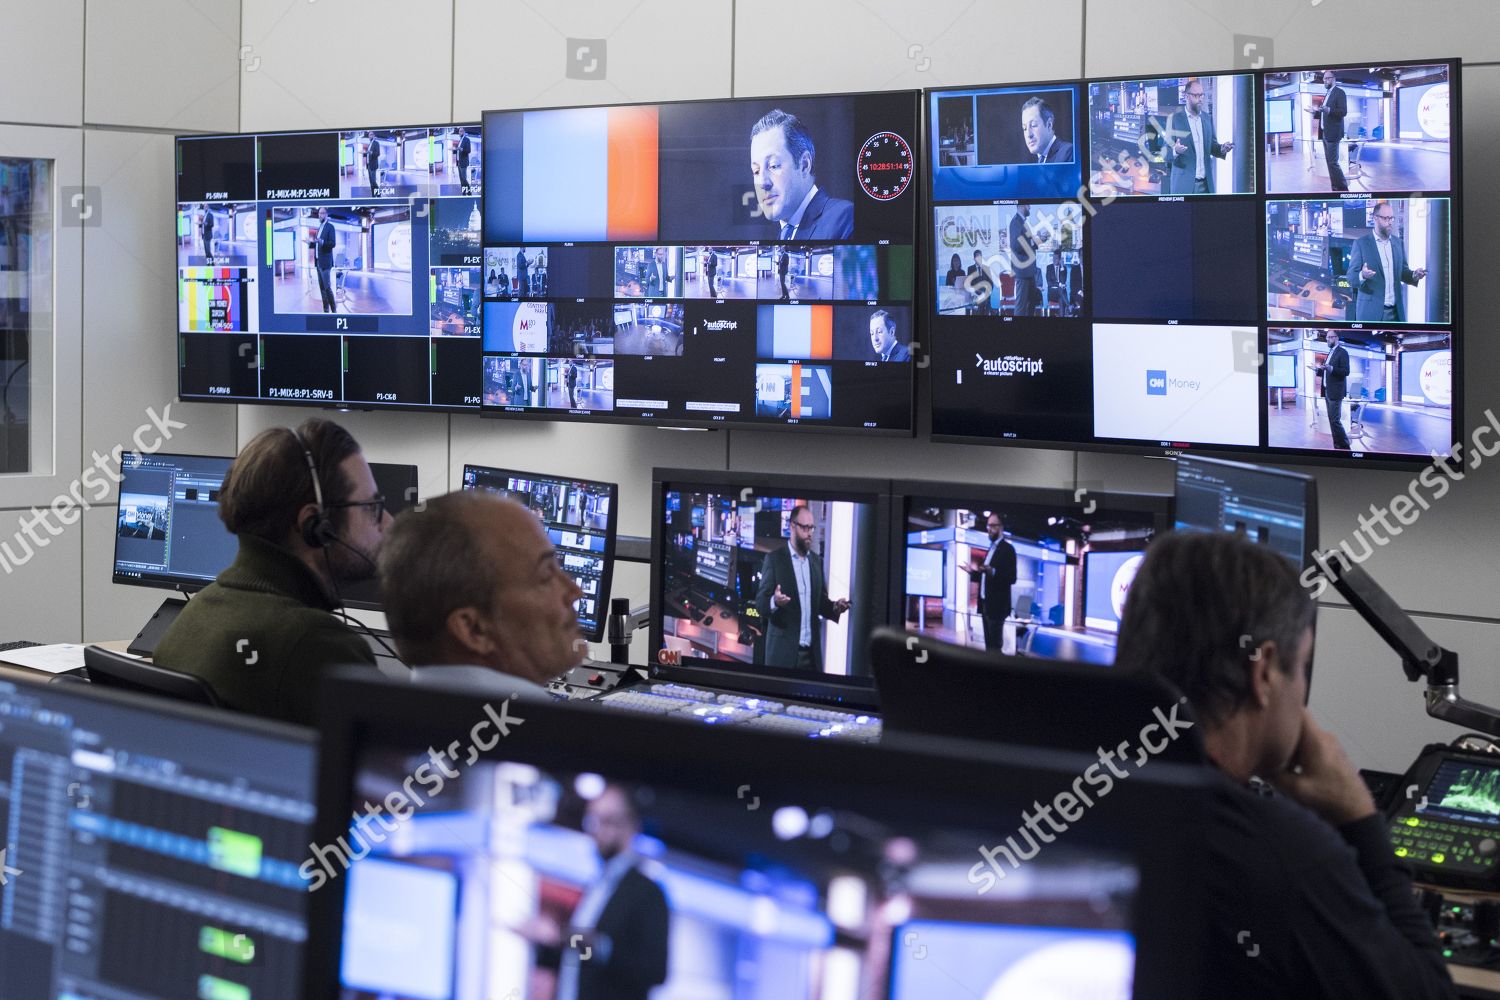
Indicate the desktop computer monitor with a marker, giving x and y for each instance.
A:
(168, 532)
(741, 870)
(1271, 506)
(581, 518)
(152, 850)
(725, 604)
(398, 484)
(1061, 540)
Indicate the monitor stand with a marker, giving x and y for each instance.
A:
(144, 644)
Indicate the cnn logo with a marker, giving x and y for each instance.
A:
(669, 657)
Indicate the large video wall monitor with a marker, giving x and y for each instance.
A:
(1049, 567)
(704, 263)
(337, 267)
(727, 595)
(1116, 259)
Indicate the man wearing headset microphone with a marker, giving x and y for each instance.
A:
(304, 506)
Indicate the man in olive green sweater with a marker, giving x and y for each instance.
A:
(262, 633)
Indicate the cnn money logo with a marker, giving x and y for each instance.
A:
(1157, 383)
(1011, 364)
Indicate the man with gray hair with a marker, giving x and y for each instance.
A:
(475, 596)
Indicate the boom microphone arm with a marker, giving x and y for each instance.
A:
(1420, 655)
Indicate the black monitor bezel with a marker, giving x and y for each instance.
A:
(919, 325)
(607, 579)
(344, 405)
(158, 581)
(1158, 818)
(815, 686)
(1385, 461)
(1160, 506)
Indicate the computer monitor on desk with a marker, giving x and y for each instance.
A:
(581, 517)
(151, 850)
(723, 579)
(1064, 542)
(739, 868)
(168, 533)
(398, 484)
(1271, 506)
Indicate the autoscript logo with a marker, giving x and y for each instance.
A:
(1157, 383)
(721, 324)
(1011, 364)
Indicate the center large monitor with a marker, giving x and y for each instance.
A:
(704, 263)
(767, 583)
(1115, 260)
(150, 850)
(333, 267)
(1036, 571)
(580, 516)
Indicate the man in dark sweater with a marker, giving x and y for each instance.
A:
(1305, 896)
(262, 634)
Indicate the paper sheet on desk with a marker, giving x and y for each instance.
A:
(54, 659)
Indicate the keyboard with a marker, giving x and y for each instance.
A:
(18, 644)
(721, 709)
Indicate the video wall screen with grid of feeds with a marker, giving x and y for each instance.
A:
(704, 263)
(331, 267)
(1261, 263)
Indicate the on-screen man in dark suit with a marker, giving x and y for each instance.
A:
(464, 149)
(1335, 372)
(1335, 107)
(372, 162)
(793, 600)
(997, 574)
(1037, 124)
(1378, 268)
(323, 245)
(1023, 262)
(615, 946)
(1190, 141)
(883, 338)
(781, 168)
(208, 232)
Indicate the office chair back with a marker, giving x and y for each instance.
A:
(126, 673)
(940, 689)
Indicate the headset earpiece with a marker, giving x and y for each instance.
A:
(317, 531)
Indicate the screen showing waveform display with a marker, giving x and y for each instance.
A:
(1466, 787)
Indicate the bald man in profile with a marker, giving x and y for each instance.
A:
(475, 596)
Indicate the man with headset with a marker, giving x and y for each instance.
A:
(304, 506)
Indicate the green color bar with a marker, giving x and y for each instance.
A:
(234, 852)
(269, 261)
(344, 350)
(214, 988)
(222, 944)
(431, 287)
